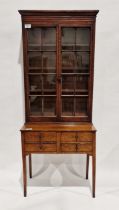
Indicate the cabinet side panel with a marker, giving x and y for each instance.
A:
(24, 41)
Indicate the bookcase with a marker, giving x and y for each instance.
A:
(58, 52)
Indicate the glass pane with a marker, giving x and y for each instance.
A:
(81, 84)
(69, 61)
(67, 106)
(81, 106)
(75, 49)
(49, 62)
(35, 60)
(44, 62)
(35, 83)
(74, 84)
(49, 39)
(42, 106)
(82, 38)
(75, 62)
(49, 83)
(49, 106)
(42, 70)
(34, 38)
(68, 83)
(83, 61)
(36, 105)
(68, 38)
(75, 38)
(42, 84)
(76, 106)
(42, 38)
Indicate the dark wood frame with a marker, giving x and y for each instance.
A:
(59, 18)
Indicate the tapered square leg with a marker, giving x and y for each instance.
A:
(93, 175)
(87, 166)
(24, 176)
(30, 166)
(24, 166)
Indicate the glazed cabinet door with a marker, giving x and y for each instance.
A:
(75, 73)
(58, 74)
(41, 69)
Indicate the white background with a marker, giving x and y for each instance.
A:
(56, 183)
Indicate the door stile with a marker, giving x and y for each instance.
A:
(91, 68)
(26, 70)
(58, 72)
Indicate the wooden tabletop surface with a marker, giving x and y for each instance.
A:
(58, 127)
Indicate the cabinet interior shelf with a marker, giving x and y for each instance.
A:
(75, 68)
(42, 95)
(74, 95)
(75, 116)
(41, 45)
(61, 95)
(44, 90)
(36, 50)
(54, 68)
(63, 90)
(75, 50)
(42, 73)
(39, 68)
(86, 74)
(76, 90)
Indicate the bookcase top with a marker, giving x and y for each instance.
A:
(59, 12)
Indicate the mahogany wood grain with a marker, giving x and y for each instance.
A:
(68, 137)
(85, 147)
(83, 127)
(59, 133)
(40, 147)
(40, 137)
(71, 13)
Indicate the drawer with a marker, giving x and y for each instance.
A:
(85, 136)
(68, 136)
(68, 147)
(37, 137)
(36, 147)
(84, 147)
(77, 147)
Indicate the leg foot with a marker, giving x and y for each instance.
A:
(25, 194)
(87, 166)
(93, 195)
(24, 176)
